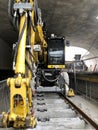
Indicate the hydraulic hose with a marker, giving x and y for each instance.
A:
(13, 19)
(31, 54)
(10, 5)
(32, 24)
(28, 65)
(36, 11)
(49, 79)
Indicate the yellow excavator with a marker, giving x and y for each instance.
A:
(37, 58)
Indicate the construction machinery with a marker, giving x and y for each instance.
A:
(37, 58)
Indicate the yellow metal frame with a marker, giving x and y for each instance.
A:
(20, 61)
(20, 85)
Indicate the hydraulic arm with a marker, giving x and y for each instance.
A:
(34, 61)
(28, 17)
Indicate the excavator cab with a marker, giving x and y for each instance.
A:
(49, 74)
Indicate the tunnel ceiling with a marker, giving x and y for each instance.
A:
(75, 19)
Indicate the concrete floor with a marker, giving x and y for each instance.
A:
(89, 107)
(60, 114)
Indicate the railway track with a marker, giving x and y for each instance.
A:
(54, 113)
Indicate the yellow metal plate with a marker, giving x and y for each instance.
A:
(56, 66)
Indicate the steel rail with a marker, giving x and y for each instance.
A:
(81, 112)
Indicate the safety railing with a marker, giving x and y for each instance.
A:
(86, 88)
(4, 97)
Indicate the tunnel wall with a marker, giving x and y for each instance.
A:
(5, 56)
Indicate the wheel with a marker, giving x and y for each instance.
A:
(65, 82)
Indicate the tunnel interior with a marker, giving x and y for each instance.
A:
(76, 20)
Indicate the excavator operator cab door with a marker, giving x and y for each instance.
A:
(56, 53)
